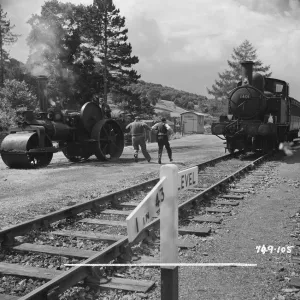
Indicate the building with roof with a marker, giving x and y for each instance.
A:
(192, 122)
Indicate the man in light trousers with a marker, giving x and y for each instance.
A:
(137, 129)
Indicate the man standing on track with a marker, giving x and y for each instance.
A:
(137, 129)
(162, 138)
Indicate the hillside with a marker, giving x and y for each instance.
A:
(168, 106)
(169, 100)
(182, 99)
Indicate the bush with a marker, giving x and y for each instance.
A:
(18, 94)
(14, 96)
(208, 120)
(207, 129)
(6, 114)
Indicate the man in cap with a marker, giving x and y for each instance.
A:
(163, 129)
(137, 129)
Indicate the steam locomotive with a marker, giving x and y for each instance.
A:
(261, 114)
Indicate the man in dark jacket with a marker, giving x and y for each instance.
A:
(137, 129)
(162, 138)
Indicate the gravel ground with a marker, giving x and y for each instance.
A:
(28, 193)
(261, 219)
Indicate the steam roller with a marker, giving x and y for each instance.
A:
(78, 135)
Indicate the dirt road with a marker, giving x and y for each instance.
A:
(27, 193)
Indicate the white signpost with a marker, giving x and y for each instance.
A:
(163, 200)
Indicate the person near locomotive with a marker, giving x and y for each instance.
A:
(137, 130)
(163, 131)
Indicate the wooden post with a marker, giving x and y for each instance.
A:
(169, 232)
(169, 283)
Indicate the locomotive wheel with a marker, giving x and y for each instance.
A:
(14, 151)
(110, 139)
(76, 158)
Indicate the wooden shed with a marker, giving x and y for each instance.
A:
(192, 122)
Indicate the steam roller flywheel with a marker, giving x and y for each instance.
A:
(14, 151)
(110, 139)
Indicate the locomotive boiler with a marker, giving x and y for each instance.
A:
(261, 114)
(78, 134)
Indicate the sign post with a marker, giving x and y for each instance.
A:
(169, 233)
(163, 200)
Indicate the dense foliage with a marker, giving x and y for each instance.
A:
(76, 45)
(7, 37)
(153, 92)
(229, 78)
(14, 96)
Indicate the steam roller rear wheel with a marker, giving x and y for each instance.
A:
(110, 139)
(15, 147)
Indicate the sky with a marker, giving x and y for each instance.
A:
(184, 44)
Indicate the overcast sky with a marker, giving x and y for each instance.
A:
(184, 44)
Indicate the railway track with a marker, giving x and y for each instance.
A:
(37, 250)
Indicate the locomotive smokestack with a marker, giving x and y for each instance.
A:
(42, 93)
(247, 70)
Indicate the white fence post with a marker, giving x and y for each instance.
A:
(169, 215)
(169, 232)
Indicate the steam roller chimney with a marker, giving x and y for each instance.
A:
(247, 71)
(42, 92)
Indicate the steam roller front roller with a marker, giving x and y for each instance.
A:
(17, 151)
(110, 138)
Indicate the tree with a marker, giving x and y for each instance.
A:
(153, 95)
(14, 96)
(17, 94)
(80, 48)
(108, 35)
(58, 51)
(6, 38)
(229, 78)
(6, 114)
(190, 105)
(133, 102)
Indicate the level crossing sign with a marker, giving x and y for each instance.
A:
(162, 201)
(187, 178)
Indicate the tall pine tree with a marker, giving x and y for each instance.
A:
(108, 35)
(229, 78)
(6, 38)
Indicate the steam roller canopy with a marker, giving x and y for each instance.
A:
(14, 151)
(90, 114)
(110, 139)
